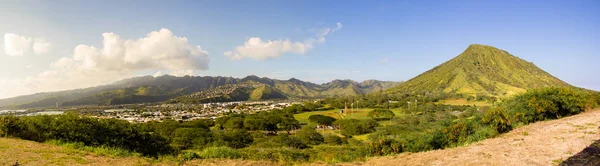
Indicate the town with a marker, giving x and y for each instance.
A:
(137, 113)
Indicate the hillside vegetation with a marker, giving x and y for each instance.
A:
(480, 71)
(541, 143)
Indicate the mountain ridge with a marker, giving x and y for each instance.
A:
(162, 88)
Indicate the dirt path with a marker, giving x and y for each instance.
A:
(542, 143)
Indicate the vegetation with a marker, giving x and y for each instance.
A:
(322, 119)
(481, 73)
(381, 114)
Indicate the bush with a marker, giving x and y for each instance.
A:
(333, 139)
(290, 141)
(184, 138)
(497, 119)
(337, 154)
(549, 103)
(350, 127)
(322, 119)
(384, 147)
(220, 152)
(308, 135)
(381, 114)
(283, 155)
(186, 156)
(101, 150)
(234, 138)
(88, 131)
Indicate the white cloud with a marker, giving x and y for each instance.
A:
(29, 66)
(15, 45)
(115, 60)
(180, 73)
(258, 49)
(157, 74)
(41, 46)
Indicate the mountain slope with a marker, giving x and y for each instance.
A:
(158, 89)
(480, 71)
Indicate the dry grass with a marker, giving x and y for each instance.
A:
(546, 143)
(34, 153)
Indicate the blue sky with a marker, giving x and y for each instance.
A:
(384, 40)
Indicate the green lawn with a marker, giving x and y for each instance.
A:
(356, 114)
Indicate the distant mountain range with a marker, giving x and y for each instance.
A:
(480, 70)
(170, 88)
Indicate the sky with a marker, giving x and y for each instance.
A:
(60, 45)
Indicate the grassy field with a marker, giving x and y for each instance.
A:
(34, 153)
(463, 102)
(355, 114)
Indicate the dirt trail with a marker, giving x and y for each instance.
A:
(541, 143)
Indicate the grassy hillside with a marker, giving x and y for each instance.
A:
(34, 153)
(480, 71)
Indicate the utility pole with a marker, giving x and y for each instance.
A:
(345, 107)
(356, 107)
(352, 108)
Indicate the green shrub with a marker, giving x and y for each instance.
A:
(235, 138)
(322, 119)
(333, 139)
(100, 150)
(94, 132)
(381, 114)
(220, 152)
(186, 156)
(290, 141)
(337, 154)
(549, 103)
(308, 135)
(497, 119)
(350, 127)
(384, 147)
(283, 155)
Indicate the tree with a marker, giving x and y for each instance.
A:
(308, 135)
(322, 119)
(237, 138)
(185, 138)
(253, 123)
(288, 124)
(289, 141)
(381, 114)
(350, 127)
(234, 123)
